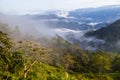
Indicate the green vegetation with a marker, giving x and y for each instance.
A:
(109, 33)
(60, 60)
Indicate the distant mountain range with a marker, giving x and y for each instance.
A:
(80, 19)
(102, 23)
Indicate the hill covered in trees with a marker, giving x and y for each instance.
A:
(60, 60)
(110, 35)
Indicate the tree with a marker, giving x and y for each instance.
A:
(10, 60)
(68, 61)
(5, 28)
(33, 53)
(15, 33)
(100, 62)
(116, 64)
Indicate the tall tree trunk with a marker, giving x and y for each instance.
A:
(27, 69)
(25, 72)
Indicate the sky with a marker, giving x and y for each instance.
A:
(30, 6)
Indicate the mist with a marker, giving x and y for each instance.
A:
(86, 43)
(26, 25)
(31, 29)
(26, 28)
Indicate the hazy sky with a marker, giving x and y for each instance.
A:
(27, 6)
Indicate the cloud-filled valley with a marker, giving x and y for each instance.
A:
(71, 25)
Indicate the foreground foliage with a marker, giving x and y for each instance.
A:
(61, 60)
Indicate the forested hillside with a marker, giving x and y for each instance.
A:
(60, 60)
(110, 35)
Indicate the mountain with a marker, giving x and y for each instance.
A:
(109, 34)
(71, 25)
(100, 14)
(80, 19)
(59, 60)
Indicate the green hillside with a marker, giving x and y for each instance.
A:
(110, 33)
(60, 60)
